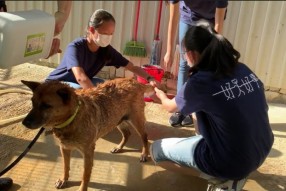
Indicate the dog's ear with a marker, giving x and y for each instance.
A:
(32, 85)
(65, 94)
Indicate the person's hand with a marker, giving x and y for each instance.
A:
(153, 83)
(159, 85)
(160, 93)
(55, 47)
(167, 61)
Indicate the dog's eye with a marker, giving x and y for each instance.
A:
(45, 106)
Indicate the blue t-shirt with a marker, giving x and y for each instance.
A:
(232, 115)
(194, 10)
(77, 54)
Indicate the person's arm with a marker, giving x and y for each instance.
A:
(219, 19)
(172, 26)
(168, 104)
(61, 16)
(140, 72)
(82, 78)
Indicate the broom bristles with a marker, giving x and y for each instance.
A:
(134, 48)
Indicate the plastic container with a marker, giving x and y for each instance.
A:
(156, 71)
(25, 36)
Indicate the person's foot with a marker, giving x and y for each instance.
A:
(5, 184)
(230, 185)
(176, 119)
(187, 121)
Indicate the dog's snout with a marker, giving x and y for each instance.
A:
(31, 123)
(27, 123)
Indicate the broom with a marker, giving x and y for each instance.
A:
(134, 48)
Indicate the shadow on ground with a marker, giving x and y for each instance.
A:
(42, 166)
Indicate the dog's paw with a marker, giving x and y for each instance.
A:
(116, 150)
(60, 183)
(143, 158)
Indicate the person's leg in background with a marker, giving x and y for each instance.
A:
(177, 119)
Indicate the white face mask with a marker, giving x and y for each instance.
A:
(103, 40)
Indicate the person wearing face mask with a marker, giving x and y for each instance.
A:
(86, 56)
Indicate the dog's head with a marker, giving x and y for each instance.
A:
(52, 103)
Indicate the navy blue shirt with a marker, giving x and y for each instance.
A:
(77, 54)
(232, 115)
(194, 10)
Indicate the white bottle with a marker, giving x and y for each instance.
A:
(25, 36)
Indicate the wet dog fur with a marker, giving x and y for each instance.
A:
(96, 111)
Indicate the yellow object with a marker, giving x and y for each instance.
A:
(69, 120)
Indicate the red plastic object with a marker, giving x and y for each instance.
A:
(156, 71)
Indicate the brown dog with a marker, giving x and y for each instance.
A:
(79, 117)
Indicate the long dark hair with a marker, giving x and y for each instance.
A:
(97, 18)
(216, 52)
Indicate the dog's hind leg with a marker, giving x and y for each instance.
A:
(66, 154)
(124, 130)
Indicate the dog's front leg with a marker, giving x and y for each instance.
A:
(88, 163)
(66, 154)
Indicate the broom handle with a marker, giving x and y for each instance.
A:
(137, 20)
(159, 20)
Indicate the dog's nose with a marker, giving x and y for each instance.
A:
(27, 123)
(32, 123)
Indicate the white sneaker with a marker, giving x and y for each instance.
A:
(229, 185)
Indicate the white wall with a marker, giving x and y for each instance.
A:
(256, 29)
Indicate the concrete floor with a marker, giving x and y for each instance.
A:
(42, 166)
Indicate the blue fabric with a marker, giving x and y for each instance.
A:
(95, 81)
(232, 115)
(77, 54)
(190, 11)
(194, 10)
(178, 150)
(183, 66)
